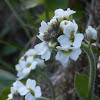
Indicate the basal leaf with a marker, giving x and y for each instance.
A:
(81, 85)
(5, 92)
(6, 79)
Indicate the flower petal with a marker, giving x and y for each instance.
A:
(30, 52)
(75, 26)
(47, 54)
(41, 48)
(30, 83)
(33, 66)
(29, 59)
(44, 27)
(37, 91)
(63, 58)
(26, 71)
(40, 62)
(40, 36)
(10, 96)
(64, 41)
(69, 12)
(20, 88)
(78, 40)
(29, 96)
(58, 12)
(75, 54)
(68, 29)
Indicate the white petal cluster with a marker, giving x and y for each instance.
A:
(43, 48)
(60, 14)
(66, 53)
(70, 37)
(65, 31)
(27, 63)
(70, 42)
(30, 91)
(91, 33)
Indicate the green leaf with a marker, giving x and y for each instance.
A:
(6, 79)
(5, 92)
(81, 85)
(7, 50)
(31, 3)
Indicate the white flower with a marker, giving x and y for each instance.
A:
(42, 30)
(44, 50)
(24, 67)
(27, 63)
(53, 20)
(71, 38)
(21, 88)
(30, 90)
(13, 91)
(65, 53)
(91, 33)
(34, 91)
(30, 52)
(60, 13)
(18, 87)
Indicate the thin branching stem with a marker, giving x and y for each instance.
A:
(48, 80)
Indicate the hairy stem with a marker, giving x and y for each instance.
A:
(89, 52)
(48, 80)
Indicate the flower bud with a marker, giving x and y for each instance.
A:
(52, 45)
(91, 33)
(46, 37)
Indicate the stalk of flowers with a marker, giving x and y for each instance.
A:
(28, 62)
(60, 34)
(25, 92)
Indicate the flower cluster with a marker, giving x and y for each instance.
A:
(28, 62)
(30, 91)
(60, 34)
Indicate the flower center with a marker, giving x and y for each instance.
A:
(72, 37)
(17, 96)
(53, 32)
(32, 92)
(66, 51)
(28, 65)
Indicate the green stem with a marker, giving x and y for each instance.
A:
(19, 19)
(49, 82)
(91, 84)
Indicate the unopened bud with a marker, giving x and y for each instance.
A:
(54, 34)
(91, 33)
(52, 45)
(46, 37)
